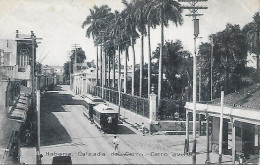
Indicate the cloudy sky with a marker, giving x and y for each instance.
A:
(58, 22)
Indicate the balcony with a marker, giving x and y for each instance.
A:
(15, 72)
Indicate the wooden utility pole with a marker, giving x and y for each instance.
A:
(69, 65)
(32, 68)
(211, 68)
(38, 155)
(75, 67)
(193, 8)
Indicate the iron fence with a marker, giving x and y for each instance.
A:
(135, 104)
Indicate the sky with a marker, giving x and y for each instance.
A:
(58, 23)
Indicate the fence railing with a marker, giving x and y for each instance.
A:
(135, 104)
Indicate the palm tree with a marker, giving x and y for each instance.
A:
(141, 23)
(152, 21)
(97, 22)
(130, 27)
(114, 29)
(169, 11)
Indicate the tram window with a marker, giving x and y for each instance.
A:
(238, 131)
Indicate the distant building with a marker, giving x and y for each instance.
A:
(59, 71)
(56, 71)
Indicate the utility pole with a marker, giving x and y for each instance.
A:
(38, 155)
(193, 8)
(33, 94)
(69, 54)
(221, 129)
(75, 67)
(32, 68)
(211, 68)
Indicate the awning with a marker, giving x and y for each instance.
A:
(18, 115)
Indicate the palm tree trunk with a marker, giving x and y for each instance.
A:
(103, 71)
(109, 69)
(160, 58)
(257, 51)
(133, 67)
(114, 71)
(125, 70)
(149, 61)
(101, 67)
(141, 66)
(119, 81)
(105, 68)
(97, 83)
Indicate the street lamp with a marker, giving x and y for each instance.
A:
(193, 8)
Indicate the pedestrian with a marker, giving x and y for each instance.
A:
(143, 128)
(116, 143)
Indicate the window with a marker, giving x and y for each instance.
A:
(23, 57)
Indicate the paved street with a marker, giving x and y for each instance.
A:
(65, 130)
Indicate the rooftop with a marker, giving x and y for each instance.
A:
(248, 97)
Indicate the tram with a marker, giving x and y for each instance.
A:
(90, 102)
(106, 118)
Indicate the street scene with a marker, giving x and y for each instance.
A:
(130, 82)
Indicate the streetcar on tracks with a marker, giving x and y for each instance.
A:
(105, 118)
(90, 102)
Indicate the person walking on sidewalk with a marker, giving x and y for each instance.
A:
(116, 143)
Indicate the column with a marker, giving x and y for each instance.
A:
(207, 134)
(152, 108)
(233, 140)
(199, 124)
(186, 147)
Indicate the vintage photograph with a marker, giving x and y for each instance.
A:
(129, 82)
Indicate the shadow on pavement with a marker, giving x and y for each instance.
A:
(122, 129)
(52, 131)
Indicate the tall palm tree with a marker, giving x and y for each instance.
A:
(152, 21)
(130, 27)
(168, 10)
(96, 23)
(126, 35)
(141, 23)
